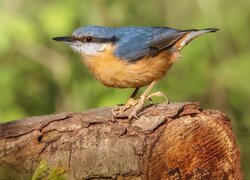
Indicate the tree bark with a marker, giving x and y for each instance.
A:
(166, 141)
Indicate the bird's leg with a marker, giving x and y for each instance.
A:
(132, 101)
(145, 96)
(133, 106)
(141, 101)
(119, 110)
(134, 93)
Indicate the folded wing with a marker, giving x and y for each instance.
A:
(150, 41)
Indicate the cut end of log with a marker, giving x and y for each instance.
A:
(200, 147)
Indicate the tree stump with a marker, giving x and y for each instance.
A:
(167, 141)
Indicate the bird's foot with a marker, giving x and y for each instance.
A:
(132, 108)
(138, 107)
(121, 111)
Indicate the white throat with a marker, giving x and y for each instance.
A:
(91, 49)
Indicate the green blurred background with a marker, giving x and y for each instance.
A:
(39, 76)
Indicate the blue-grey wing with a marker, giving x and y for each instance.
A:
(136, 43)
(131, 44)
(164, 40)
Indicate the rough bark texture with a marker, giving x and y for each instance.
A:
(167, 141)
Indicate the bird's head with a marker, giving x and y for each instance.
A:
(90, 40)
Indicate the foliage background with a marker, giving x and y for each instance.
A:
(39, 76)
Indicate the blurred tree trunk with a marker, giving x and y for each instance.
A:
(174, 141)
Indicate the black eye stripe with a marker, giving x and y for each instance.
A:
(90, 39)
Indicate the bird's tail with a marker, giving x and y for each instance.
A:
(190, 35)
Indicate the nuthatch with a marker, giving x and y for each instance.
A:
(130, 57)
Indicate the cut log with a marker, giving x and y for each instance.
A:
(166, 141)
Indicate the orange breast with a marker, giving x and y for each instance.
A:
(114, 72)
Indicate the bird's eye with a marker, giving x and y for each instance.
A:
(88, 39)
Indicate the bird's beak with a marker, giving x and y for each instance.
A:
(66, 39)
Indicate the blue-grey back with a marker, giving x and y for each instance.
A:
(135, 42)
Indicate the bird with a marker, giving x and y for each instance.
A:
(130, 57)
